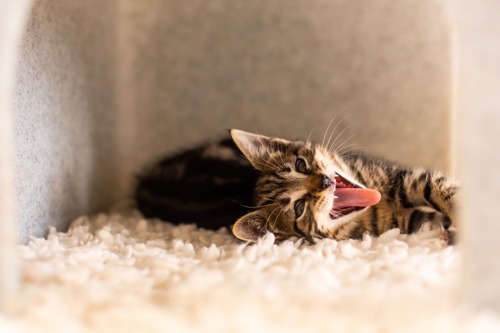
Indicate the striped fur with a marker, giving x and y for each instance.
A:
(209, 185)
(215, 186)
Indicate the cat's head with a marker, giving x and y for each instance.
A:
(303, 189)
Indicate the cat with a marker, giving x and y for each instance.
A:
(261, 184)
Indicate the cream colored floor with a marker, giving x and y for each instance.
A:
(121, 273)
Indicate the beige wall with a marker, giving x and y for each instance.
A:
(286, 68)
(12, 21)
(478, 101)
(65, 113)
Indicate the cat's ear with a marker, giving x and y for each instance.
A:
(257, 148)
(251, 226)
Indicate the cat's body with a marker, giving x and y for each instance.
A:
(293, 188)
(211, 185)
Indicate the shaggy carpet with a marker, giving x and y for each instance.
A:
(122, 273)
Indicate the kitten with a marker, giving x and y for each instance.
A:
(293, 188)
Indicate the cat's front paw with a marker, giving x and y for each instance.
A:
(425, 217)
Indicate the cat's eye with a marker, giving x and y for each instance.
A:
(300, 165)
(299, 208)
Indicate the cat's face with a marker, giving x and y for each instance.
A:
(304, 190)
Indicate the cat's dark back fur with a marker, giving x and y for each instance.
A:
(210, 185)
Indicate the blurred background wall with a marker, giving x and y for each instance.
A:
(104, 87)
(65, 114)
(478, 146)
(12, 21)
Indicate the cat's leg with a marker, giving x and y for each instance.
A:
(416, 188)
(381, 218)
(422, 218)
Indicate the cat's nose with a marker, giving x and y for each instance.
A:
(324, 182)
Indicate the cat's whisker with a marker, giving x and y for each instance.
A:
(267, 199)
(349, 126)
(336, 126)
(281, 211)
(256, 207)
(354, 147)
(308, 140)
(263, 163)
(346, 150)
(347, 145)
(340, 135)
(283, 164)
(327, 128)
(280, 165)
(346, 153)
(268, 153)
(267, 221)
(284, 157)
(342, 144)
(339, 113)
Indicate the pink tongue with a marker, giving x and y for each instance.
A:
(355, 197)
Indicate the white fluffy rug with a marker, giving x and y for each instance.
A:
(121, 273)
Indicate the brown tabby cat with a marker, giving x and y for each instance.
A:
(299, 189)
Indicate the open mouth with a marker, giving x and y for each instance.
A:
(349, 197)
